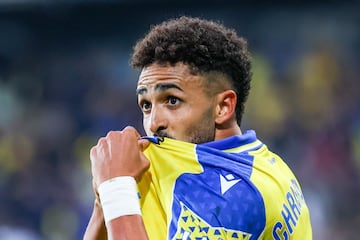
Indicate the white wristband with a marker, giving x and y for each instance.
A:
(118, 197)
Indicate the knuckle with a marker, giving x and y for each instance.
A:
(92, 150)
(92, 153)
(110, 134)
(102, 141)
(130, 131)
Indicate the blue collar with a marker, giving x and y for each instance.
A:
(233, 141)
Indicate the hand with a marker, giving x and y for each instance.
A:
(118, 154)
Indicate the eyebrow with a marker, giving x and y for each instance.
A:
(161, 87)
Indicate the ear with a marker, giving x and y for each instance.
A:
(225, 108)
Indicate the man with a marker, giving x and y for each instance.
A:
(198, 176)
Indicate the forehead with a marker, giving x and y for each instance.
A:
(178, 74)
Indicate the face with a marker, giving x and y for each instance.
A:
(174, 104)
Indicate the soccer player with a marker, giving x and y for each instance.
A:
(196, 175)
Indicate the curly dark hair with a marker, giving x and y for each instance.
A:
(206, 46)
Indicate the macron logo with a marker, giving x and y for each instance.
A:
(226, 182)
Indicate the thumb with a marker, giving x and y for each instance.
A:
(143, 144)
(145, 165)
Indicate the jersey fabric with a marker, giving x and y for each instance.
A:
(233, 188)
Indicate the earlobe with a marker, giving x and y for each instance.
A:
(225, 110)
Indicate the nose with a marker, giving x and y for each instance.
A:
(158, 120)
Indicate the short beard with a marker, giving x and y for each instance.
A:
(199, 136)
(201, 132)
(204, 131)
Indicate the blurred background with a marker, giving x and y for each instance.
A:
(65, 81)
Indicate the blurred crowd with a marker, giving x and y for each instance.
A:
(61, 89)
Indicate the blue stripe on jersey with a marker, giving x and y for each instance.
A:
(240, 207)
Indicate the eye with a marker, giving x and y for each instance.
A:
(145, 106)
(173, 100)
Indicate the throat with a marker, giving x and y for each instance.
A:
(227, 130)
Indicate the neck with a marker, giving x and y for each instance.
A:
(228, 130)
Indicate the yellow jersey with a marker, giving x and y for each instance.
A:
(234, 188)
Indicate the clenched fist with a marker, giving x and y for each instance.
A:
(118, 154)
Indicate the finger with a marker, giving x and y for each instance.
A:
(100, 141)
(145, 161)
(92, 153)
(143, 144)
(145, 165)
(132, 130)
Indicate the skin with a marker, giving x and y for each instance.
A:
(175, 104)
